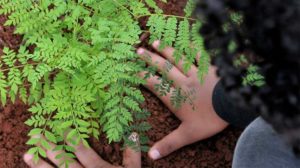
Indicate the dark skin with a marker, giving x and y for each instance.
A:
(196, 124)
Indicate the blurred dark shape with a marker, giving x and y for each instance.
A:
(271, 31)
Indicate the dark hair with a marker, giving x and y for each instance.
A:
(271, 31)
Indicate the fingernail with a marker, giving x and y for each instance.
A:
(154, 154)
(156, 43)
(27, 158)
(140, 51)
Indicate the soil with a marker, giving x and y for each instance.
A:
(215, 152)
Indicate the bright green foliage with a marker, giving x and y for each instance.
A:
(80, 75)
(204, 59)
(253, 77)
(189, 8)
(236, 18)
(170, 32)
(184, 36)
(152, 4)
(3, 86)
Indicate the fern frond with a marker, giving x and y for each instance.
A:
(138, 8)
(3, 87)
(190, 7)
(198, 43)
(152, 4)
(157, 26)
(170, 32)
(253, 77)
(183, 40)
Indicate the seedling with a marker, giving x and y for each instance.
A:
(77, 66)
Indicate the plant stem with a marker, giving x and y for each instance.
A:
(19, 66)
(123, 7)
(181, 17)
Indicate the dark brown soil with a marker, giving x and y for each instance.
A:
(215, 152)
(13, 135)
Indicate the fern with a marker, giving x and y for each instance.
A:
(77, 66)
(204, 61)
(253, 77)
(170, 32)
(157, 24)
(152, 4)
(189, 8)
(182, 33)
(3, 86)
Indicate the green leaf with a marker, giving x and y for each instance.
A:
(32, 150)
(33, 141)
(23, 94)
(37, 108)
(3, 87)
(45, 144)
(190, 7)
(50, 136)
(60, 156)
(157, 27)
(66, 124)
(152, 4)
(36, 157)
(42, 152)
(82, 123)
(69, 148)
(85, 143)
(35, 131)
(71, 134)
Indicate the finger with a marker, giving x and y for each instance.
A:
(198, 56)
(132, 155)
(169, 144)
(153, 81)
(163, 66)
(88, 157)
(52, 156)
(168, 53)
(40, 164)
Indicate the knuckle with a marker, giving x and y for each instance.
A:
(189, 83)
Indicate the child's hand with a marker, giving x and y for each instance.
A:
(88, 158)
(197, 124)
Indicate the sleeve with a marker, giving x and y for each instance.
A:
(226, 109)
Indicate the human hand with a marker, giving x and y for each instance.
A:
(88, 158)
(197, 122)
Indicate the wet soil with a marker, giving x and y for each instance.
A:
(215, 152)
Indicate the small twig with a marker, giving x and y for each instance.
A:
(181, 17)
(19, 66)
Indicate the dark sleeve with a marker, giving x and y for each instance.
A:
(226, 109)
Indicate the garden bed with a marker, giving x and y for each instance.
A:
(215, 152)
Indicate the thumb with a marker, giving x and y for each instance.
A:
(132, 153)
(169, 144)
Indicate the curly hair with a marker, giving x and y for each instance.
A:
(271, 31)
